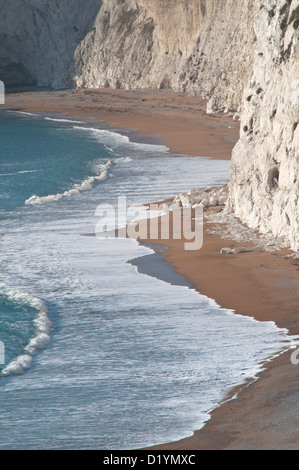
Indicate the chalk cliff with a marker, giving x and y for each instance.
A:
(264, 187)
(38, 39)
(198, 46)
(242, 56)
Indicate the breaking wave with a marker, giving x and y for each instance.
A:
(86, 185)
(42, 326)
(118, 141)
(22, 112)
(18, 173)
(70, 121)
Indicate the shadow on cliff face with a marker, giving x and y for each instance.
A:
(37, 44)
(15, 75)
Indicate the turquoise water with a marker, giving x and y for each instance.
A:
(98, 355)
(44, 158)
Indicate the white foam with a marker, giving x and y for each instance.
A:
(23, 112)
(115, 140)
(84, 186)
(124, 160)
(63, 120)
(18, 366)
(38, 343)
(18, 173)
(20, 298)
(43, 328)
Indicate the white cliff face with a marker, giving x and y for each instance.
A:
(203, 47)
(218, 50)
(38, 39)
(264, 187)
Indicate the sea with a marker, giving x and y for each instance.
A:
(95, 353)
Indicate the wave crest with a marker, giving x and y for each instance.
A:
(63, 120)
(116, 141)
(84, 186)
(42, 332)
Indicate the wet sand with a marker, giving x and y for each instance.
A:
(264, 285)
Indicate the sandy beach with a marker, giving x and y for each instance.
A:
(259, 284)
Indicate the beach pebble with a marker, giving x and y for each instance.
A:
(211, 196)
(174, 207)
(185, 201)
(294, 256)
(241, 250)
(234, 251)
(226, 251)
(205, 202)
(213, 201)
(222, 200)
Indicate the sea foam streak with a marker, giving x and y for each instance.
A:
(116, 140)
(23, 112)
(18, 173)
(84, 186)
(42, 323)
(63, 120)
(124, 160)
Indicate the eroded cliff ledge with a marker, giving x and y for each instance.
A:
(264, 187)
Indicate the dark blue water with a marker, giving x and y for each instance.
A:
(98, 355)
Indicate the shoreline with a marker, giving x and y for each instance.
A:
(259, 284)
(249, 416)
(177, 121)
